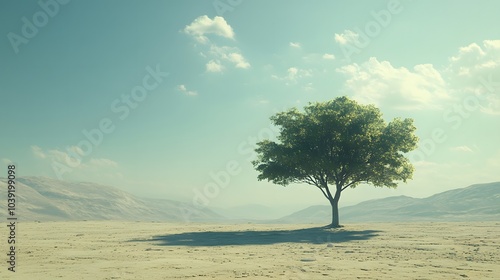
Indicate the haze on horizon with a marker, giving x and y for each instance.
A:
(171, 102)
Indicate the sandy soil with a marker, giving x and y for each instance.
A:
(143, 250)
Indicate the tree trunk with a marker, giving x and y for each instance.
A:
(335, 209)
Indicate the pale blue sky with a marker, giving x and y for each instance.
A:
(228, 72)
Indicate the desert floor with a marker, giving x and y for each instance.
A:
(148, 250)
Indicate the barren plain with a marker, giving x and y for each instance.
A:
(150, 250)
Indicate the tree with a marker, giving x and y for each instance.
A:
(337, 145)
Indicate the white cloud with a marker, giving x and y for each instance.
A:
(229, 54)
(204, 25)
(218, 57)
(72, 156)
(472, 74)
(308, 87)
(238, 60)
(293, 75)
(347, 37)
(317, 60)
(6, 161)
(328, 56)
(102, 162)
(184, 90)
(214, 66)
(475, 71)
(474, 60)
(72, 159)
(375, 82)
(295, 45)
(463, 149)
(76, 150)
(37, 151)
(73, 163)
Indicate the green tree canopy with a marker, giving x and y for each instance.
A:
(337, 143)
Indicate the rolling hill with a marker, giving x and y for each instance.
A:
(479, 202)
(44, 199)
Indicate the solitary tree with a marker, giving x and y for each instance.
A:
(336, 145)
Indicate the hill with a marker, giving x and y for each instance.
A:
(40, 198)
(479, 202)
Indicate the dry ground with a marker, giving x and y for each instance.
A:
(145, 250)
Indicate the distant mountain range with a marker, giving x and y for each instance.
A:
(44, 199)
(479, 202)
(251, 212)
(40, 198)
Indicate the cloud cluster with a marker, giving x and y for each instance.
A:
(293, 75)
(72, 157)
(378, 82)
(214, 66)
(238, 60)
(474, 60)
(297, 77)
(219, 57)
(184, 90)
(462, 149)
(102, 162)
(328, 56)
(203, 25)
(74, 163)
(473, 71)
(296, 73)
(347, 37)
(226, 55)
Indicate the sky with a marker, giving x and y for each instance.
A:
(167, 99)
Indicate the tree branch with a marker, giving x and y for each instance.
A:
(312, 181)
(350, 184)
(323, 192)
(330, 197)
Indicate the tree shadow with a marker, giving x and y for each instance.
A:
(316, 235)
